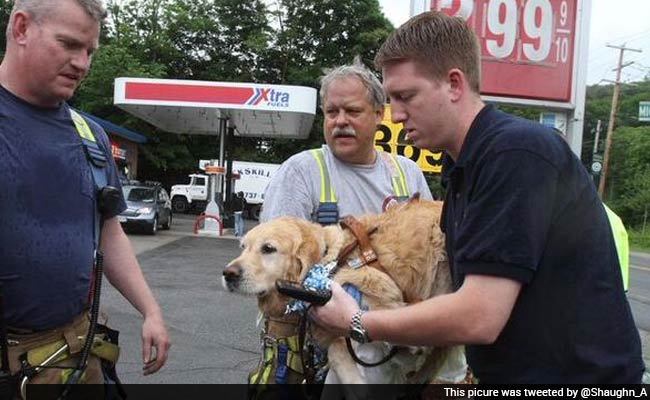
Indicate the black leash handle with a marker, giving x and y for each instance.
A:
(359, 361)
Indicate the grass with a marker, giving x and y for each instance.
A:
(639, 241)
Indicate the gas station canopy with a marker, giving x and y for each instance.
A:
(195, 107)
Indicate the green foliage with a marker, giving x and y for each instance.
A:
(279, 42)
(434, 181)
(314, 35)
(629, 180)
(639, 240)
(598, 107)
(5, 11)
(531, 113)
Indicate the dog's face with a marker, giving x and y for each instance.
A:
(278, 249)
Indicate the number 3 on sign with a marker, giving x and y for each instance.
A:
(456, 8)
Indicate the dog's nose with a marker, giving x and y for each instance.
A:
(232, 273)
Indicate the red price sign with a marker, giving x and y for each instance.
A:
(527, 46)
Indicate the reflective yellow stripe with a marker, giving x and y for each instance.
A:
(294, 360)
(101, 348)
(261, 375)
(293, 343)
(82, 126)
(399, 179)
(65, 375)
(327, 193)
(622, 244)
(269, 356)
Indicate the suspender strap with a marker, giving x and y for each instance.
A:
(327, 194)
(97, 162)
(397, 176)
(328, 211)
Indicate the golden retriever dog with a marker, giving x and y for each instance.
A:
(411, 249)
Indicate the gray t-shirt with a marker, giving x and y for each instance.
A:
(360, 189)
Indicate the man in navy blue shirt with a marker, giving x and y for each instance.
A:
(539, 294)
(47, 200)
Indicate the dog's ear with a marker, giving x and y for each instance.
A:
(306, 249)
(415, 197)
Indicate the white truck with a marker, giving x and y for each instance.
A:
(253, 179)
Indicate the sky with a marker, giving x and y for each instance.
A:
(613, 22)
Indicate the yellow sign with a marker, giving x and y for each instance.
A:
(391, 138)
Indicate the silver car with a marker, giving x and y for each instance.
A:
(148, 207)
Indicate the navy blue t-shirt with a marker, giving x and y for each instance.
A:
(46, 213)
(520, 205)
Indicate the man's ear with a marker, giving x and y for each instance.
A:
(20, 24)
(457, 84)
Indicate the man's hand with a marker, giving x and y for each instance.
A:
(336, 314)
(155, 344)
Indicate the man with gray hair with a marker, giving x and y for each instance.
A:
(347, 175)
(358, 178)
(61, 197)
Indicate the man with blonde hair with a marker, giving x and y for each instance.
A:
(539, 294)
(56, 221)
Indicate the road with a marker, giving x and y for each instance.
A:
(214, 336)
(215, 339)
(639, 291)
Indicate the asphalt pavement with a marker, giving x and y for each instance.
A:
(214, 333)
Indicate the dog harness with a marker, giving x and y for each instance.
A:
(281, 354)
(327, 212)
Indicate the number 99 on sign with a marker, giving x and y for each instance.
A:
(517, 30)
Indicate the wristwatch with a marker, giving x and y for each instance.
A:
(357, 332)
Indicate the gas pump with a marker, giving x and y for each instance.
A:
(213, 216)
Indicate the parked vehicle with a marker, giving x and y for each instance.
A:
(148, 207)
(193, 195)
(253, 179)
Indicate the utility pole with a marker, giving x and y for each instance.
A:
(612, 115)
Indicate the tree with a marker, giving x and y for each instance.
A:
(225, 40)
(202, 40)
(629, 190)
(313, 35)
(5, 12)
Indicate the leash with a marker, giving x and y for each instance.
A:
(308, 368)
(356, 358)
